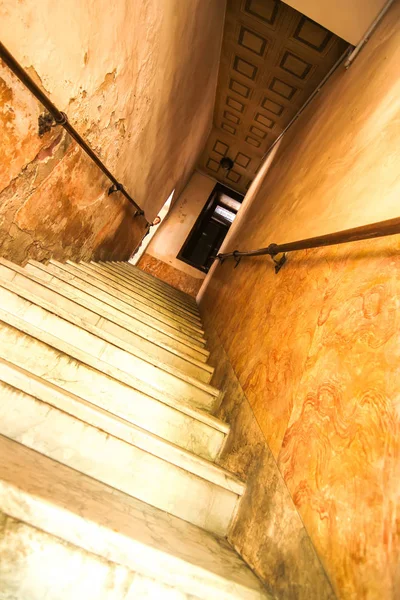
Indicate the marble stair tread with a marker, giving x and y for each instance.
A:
(50, 395)
(188, 303)
(39, 324)
(147, 295)
(191, 446)
(88, 514)
(118, 309)
(15, 279)
(144, 285)
(154, 282)
(138, 298)
(172, 419)
(143, 292)
(127, 458)
(199, 436)
(34, 564)
(147, 291)
(173, 328)
(142, 304)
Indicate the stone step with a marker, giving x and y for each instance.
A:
(164, 416)
(148, 327)
(185, 302)
(80, 310)
(57, 361)
(63, 530)
(142, 289)
(198, 432)
(156, 283)
(141, 294)
(147, 314)
(165, 316)
(119, 268)
(124, 457)
(89, 349)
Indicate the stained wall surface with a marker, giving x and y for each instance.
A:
(161, 255)
(268, 531)
(138, 81)
(316, 348)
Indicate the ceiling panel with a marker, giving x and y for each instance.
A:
(272, 59)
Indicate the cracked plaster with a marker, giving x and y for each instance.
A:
(138, 83)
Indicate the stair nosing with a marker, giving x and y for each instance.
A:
(175, 325)
(138, 281)
(175, 336)
(96, 364)
(193, 330)
(156, 296)
(150, 442)
(109, 316)
(78, 321)
(127, 282)
(135, 270)
(117, 539)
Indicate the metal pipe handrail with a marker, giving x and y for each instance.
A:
(365, 232)
(61, 118)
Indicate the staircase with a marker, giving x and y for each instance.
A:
(109, 482)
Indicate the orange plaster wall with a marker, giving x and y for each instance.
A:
(138, 82)
(317, 347)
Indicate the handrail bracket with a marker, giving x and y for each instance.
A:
(280, 262)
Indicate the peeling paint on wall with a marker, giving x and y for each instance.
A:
(137, 82)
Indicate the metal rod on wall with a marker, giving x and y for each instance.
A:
(365, 232)
(61, 118)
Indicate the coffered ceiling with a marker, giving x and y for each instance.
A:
(272, 59)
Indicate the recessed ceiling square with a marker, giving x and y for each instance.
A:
(295, 65)
(231, 117)
(220, 148)
(258, 132)
(253, 142)
(242, 160)
(213, 165)
(266, 10)
(252, 41)
(264, 120)
(235, 104)
(233, 176)
(245, 68)
(274, 107)
(228, 128)
(239, 88)
(282, 89)
(313, 35)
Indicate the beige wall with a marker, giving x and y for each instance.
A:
(348, 19)
(173, 232)
(137, 79)
(316, 347)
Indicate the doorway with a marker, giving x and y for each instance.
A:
(211, 227)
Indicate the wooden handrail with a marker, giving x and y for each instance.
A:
(365, 232)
